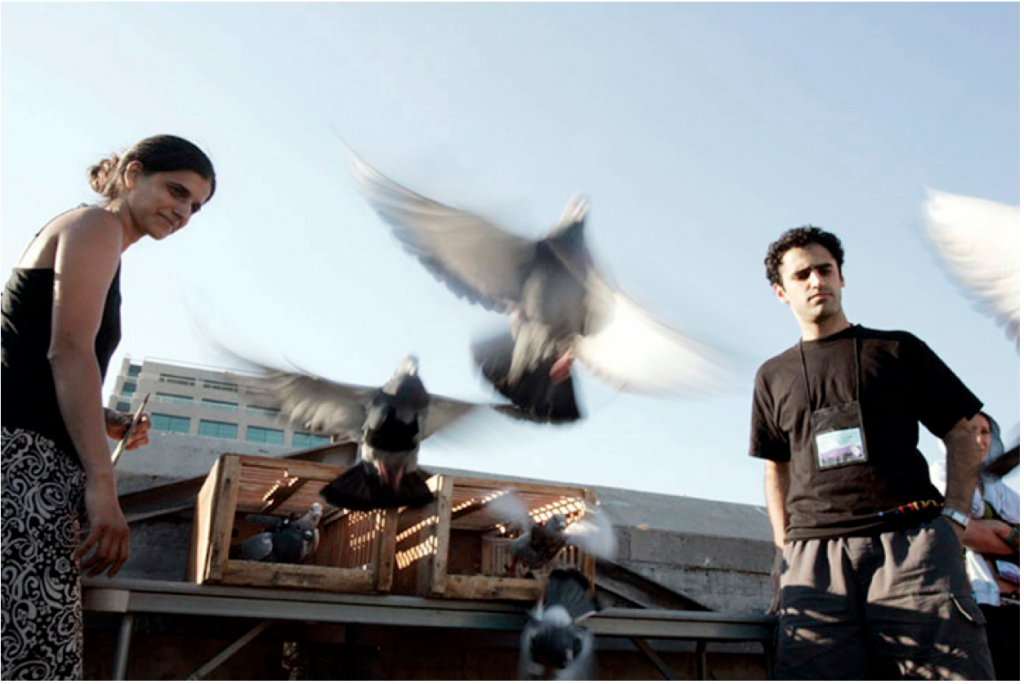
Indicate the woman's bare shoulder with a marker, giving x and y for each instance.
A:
(80, 228)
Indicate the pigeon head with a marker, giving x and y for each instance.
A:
(556, 523)
(316, 510)
(554, 646)
(405, 385)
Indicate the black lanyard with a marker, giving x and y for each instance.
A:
(856, 370)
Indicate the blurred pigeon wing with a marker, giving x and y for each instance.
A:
(473, 257)
(510, 508)
(980, 243)
(594, 534)
(322, 405)
(443, 411)
(629, 349)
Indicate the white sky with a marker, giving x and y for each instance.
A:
(699, 132)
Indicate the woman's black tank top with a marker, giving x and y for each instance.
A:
(27, 309)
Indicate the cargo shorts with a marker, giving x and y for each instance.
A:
(895, 605)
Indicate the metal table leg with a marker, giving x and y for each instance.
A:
(124, 639)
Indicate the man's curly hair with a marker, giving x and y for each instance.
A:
(800, 237)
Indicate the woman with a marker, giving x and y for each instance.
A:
(60, 326)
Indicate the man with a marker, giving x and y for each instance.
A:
(993, 551)
(872, 580)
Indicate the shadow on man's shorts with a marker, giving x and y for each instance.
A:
(890, 606)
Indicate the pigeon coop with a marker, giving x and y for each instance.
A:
(355, 550)
(457, 546)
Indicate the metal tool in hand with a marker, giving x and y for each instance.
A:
(128, 432)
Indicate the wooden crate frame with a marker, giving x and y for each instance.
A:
(238, 485)
(426, 543)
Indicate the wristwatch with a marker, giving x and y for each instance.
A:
(955, 515)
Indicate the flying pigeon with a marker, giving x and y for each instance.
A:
(290, 540)
(388, 423)
(561, 307)
(979, 241)
(537, 543)
(553, 644)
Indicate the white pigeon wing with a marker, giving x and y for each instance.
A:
(979, 240)
(594, 534)
(509, 508)
(626, 347)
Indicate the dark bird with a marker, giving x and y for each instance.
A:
(561, 307)
(979, 241)
(537, 543)
(288, 540)
(388, 423)
(553, 644)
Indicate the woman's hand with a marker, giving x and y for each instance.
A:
(108, 531)
(988, 536)
(118, 423)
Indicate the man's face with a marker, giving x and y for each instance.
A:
(982, 432)
(811, 283)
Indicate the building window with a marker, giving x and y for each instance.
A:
(222, 386)
(220, 405)
(264, 435)
(162, 421)
(128, 389)
(124, 406)
(262, 411)
(215, 428)
(166, 398)
(304, 440)
(177, 379)
(133, 370)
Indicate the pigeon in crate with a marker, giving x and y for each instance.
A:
(561, 307)
(553, 644)
(287, 540)
(538, 542)
(388, 423)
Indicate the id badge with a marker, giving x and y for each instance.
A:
(838, 436)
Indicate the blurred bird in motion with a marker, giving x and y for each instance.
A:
(387, 422)
(553, 644)
(537, 543)
(979, 241)
(561, 307)
(286, 540)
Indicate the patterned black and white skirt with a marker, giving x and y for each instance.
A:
(43, 494)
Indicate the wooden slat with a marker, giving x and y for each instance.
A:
(199, 556)
(386, 551)
(226, 500)
(499, 588)
(285, 575)
(439, 573)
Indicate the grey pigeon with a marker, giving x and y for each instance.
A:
(291, 540)
(561, 307)
(388, 423)
(553, 644)
(979, 241)
(537, 543)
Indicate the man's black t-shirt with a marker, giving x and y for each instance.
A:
(902, 383)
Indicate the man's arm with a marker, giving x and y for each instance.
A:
(776, 486)
(963, 458)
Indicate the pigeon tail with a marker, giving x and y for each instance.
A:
(536, 397)
(360, 489)
(569, 588)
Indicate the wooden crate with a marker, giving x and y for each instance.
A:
(452, 548)
(356, 549)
